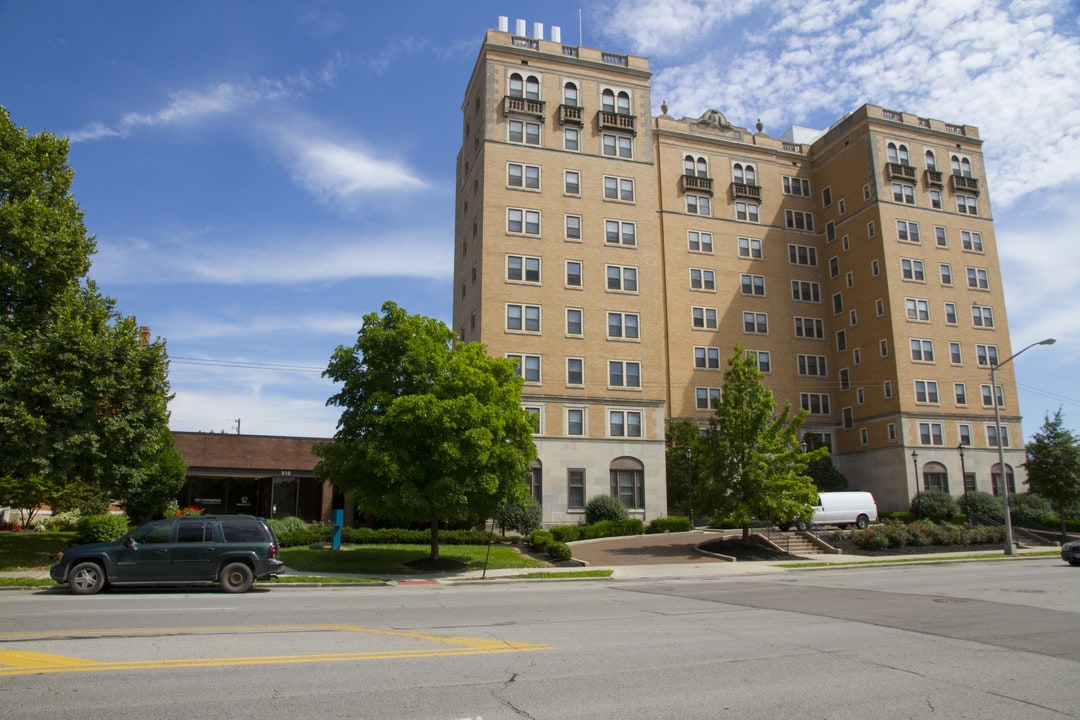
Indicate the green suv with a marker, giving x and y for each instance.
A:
(232, 550)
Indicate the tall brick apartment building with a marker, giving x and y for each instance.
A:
(620, 256)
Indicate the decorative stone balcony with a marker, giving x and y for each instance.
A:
(693, 183)
(899, 171)
(571, 115)
(742, 190)
(934, 178)
(616, 121)
(523, 106)
(961, 183)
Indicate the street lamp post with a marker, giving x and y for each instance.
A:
(915, 463)
(690, 484)
(963, 479)
(1009, 549)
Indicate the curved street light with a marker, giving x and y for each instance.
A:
(1009, 549)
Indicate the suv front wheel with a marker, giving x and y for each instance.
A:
(236, 578)
(86, 578)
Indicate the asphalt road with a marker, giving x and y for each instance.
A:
(973, 640)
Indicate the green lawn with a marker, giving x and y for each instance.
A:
(381, 560)
(30, 549)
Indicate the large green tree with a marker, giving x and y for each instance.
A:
(752, 463)
(430, 431)
(83, 399)
(1053, 466)
(681, 446)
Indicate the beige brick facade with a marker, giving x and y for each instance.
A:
(620, 256)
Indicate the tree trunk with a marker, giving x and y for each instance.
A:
(434, 537)
(745, 532)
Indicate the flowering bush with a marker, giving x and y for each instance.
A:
(188, 511)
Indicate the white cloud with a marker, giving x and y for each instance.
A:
(659, 28)
(187, 328)
(259, 411)
(219, 257)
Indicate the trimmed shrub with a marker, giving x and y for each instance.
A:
(613, 528)
(521, 518)
(568, 533)
(902, 516)
(672, 523)
(540, 540)
(919, 533)
(280, 526)
(874, 537)
(100, 528)
(977, 502)
(604, 507)
(936, 505)
(559, 551)
(1030, 506)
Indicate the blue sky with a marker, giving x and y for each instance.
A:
(259, 175)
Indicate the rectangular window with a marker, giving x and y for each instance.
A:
(520, 268)
(804, 291)
(575, 489)
(750, 248)
(992, 436)
(935, 199)
(622, 278)
(950, 313)
(812, 365)
(955, 356)
(964, 431)
(701, 279)
(573, 321)
(917, 309)
(707, 398)
(618, 146)
(802, 255)
(945, 270)
(575, 371)
(796, 186)
(986, 355)
(700, 241)
(623, 373)
(573, 273)
(988, 399)
(575, 421)
(573, 227)
(930, 433)
(572, 182)
(815, 403)
(571, 139)
(940, 237)
(618, 232)
(982, 316)
(624, 423)
(806, 327)
(753, 285)
(971, 241)
(755, 323)
(922, 350)
(528, 367)
(707, 358)
(845, 379)
(799, 220)
(926, 391)
(762, 358)
(838, 303)
(960, 393)
(902, 192)
(703, 318)
(520, 221)
(978, 278)
(967, 205)
(629, 487)
(523, 318)
(834, 266)
(841, 340)
(698, 204)
(623, 325)
(912, 269)
(747, 212)
(519, 175)
(524, 132)
(617, 188)
(907, 231)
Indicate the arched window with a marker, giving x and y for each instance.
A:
(517, 86)
(751, 176)
(532, 88)
(904, 158)
(624, 104)
(688, 165)
(628, 482)
(702, 167)
(954, 163)
(995, 478)
(737, 173)
(607, 101)
(965, 168)
(570, 95)
(931, 161)
(935, 477)
(891, 151)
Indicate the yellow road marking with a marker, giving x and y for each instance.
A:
(21, 662)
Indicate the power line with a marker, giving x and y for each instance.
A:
(244, 364)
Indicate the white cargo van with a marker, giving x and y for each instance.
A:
(842, 509)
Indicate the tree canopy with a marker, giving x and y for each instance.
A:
(1053, 467)
(83, 400)
(430, 431)
(751, 461)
